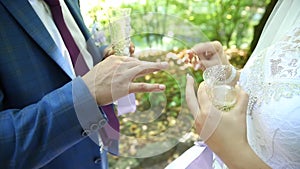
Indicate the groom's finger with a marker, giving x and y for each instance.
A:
(191, 98)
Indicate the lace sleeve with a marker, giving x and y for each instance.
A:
(272, 79)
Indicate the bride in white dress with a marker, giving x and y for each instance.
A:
(263, 130)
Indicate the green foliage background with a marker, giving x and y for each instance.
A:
(229, 21)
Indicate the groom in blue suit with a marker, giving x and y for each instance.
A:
(39, 126)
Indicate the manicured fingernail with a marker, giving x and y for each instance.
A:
(162, 87)
(164, 64)
(171, 55)
(197, 66)
(189, 77)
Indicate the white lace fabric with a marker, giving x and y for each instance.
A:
(272, 80)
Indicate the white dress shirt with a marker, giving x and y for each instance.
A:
(43, 11)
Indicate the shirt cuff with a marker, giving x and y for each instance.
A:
(88, 113)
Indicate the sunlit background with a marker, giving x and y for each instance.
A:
(229, 21)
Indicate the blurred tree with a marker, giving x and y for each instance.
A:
(228, 21)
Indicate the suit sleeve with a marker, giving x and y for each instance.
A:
(33, 136)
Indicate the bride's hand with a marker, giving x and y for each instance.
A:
(223, 132)
(204, 55)
(213, 124)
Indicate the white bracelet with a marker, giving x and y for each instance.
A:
(232, 75)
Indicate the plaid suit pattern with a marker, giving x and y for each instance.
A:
(35, 81)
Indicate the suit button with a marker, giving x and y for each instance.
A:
(97, 160)
(102, 123)
(85, 133)
(94, 127)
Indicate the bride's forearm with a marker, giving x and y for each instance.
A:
(243, 158)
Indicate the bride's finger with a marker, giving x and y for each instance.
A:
(242, 103)
(191, 98)
(202, 95)
(208, 49)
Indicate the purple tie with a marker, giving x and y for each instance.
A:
(76, 57)
(110, 132)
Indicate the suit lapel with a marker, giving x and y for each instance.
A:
(91, 47)
(75, 11)
(29, 20)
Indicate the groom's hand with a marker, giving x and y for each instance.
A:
(113, 78)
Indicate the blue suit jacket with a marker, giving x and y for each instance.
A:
(38, 125)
